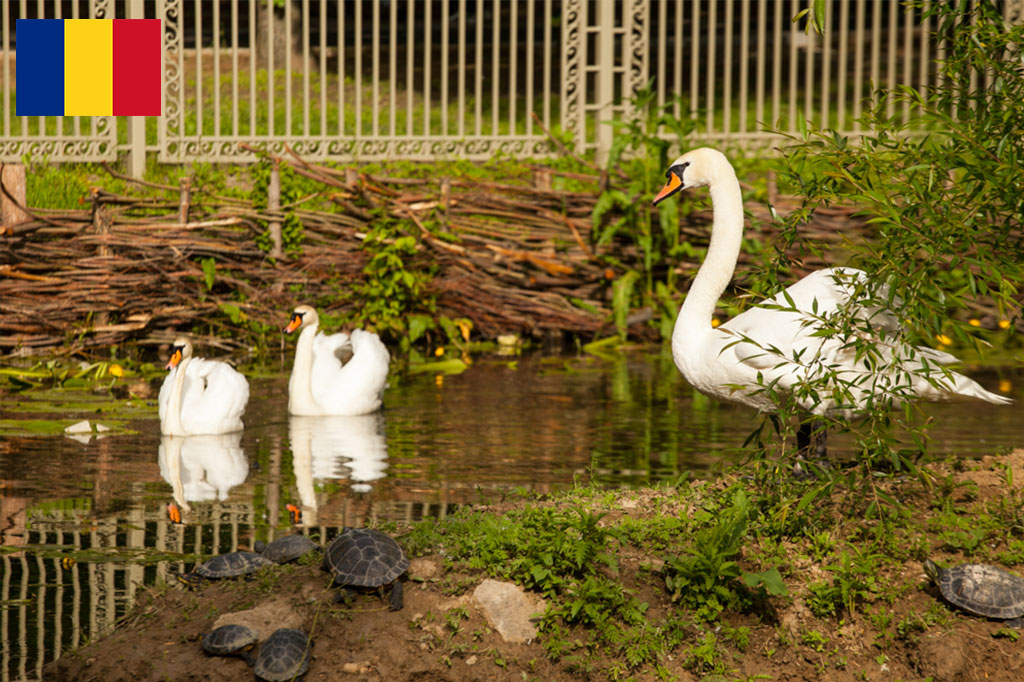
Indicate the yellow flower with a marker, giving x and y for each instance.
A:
(974, 322)
(465, 326)
(116, 370)
(439, 351)
(1004, 324)
(715, 322)
(944, 340)
(1005, 386)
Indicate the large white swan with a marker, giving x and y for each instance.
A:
(320, 383)
(200, 397)
(783, 346)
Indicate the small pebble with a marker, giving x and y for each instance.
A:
(471, 660)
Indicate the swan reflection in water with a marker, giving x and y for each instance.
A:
(202, 468)
(337, 447)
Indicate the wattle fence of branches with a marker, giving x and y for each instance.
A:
(512, 258)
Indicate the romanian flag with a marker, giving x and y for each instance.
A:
(88, 67)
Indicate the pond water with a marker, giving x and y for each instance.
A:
(84, 522)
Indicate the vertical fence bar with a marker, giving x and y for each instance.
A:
(908, 46)
(762, 20)
(890, 105)
(445, 43)
(677, 64)
(777, 67)
(40, 617)
(794, 34)
(744, 61)
(375, 63)
(342, 6)
(234, 68)
(529, 66)
(216, 68)
(876, 53)
(410, 82)
(923, 62)
(660, 81)
(288, 38)
(858, 64)
(495, 66)
(695, 61)
(357, 97)
(427, 48)
(809, 47)
(198, 26)
(841, 67)
(826, 66)
(513, 49)
(271, 109)
(305, 68)
(253, 105)
(711, 74)
(393, 70)
(727, 69)
(461, 127)
(548, 25)
(324, 79)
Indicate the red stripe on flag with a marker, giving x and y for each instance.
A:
(137, 67)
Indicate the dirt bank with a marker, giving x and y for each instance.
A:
(897, 629)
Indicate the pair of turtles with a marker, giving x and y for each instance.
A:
(242, 563)
(284, 656)
(358, 558)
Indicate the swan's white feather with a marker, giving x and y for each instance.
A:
(213, 398)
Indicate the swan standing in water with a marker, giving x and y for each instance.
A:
(757, 348)
(200, 397)
(320, 383)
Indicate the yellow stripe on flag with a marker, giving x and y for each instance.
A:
(88, 67)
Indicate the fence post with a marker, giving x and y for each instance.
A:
(604, 98)
(137, 124)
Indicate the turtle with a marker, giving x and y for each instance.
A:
(284, 656)
(231, 640)
(285, 549)
(230, 565)
(361, 557)
(982, 590)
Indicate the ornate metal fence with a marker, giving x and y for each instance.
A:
(428, 79)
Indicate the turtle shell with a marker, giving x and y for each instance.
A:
(365, 558)
(980, 589)
(284, 656)
(232, 565)
(288, 548)
(228, 639)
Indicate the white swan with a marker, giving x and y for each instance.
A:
(200, 397)
(726, 362)
(321, 384)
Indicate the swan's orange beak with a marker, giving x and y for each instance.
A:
(294, 323)
(673, 185)
(175, 359)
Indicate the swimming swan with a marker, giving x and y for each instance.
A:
(725, 362)
(200, 397)
(320, 383)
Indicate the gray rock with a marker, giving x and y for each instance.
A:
(265, 618)
(508, 610)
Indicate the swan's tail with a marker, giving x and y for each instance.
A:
(972, 389)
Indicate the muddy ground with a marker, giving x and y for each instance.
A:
(442, 635)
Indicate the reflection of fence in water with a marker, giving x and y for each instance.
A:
(46, 608)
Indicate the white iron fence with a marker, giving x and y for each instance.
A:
(428, 79)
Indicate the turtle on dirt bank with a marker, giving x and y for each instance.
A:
(231, 640)
(361, 557)
(230, 565)
(287, 548)
(284, 656)
(982, 590)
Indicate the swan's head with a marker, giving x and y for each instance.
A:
(180, 350)
(302, 317)
(695, 168)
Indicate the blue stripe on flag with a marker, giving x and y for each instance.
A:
(40, 70)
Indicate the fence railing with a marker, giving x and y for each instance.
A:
(361, 80)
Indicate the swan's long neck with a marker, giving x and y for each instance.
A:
(302, 370)
(174, 425)
(694, 320)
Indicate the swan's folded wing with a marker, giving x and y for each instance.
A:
(217, 398)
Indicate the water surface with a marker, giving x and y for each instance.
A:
(441, 441)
